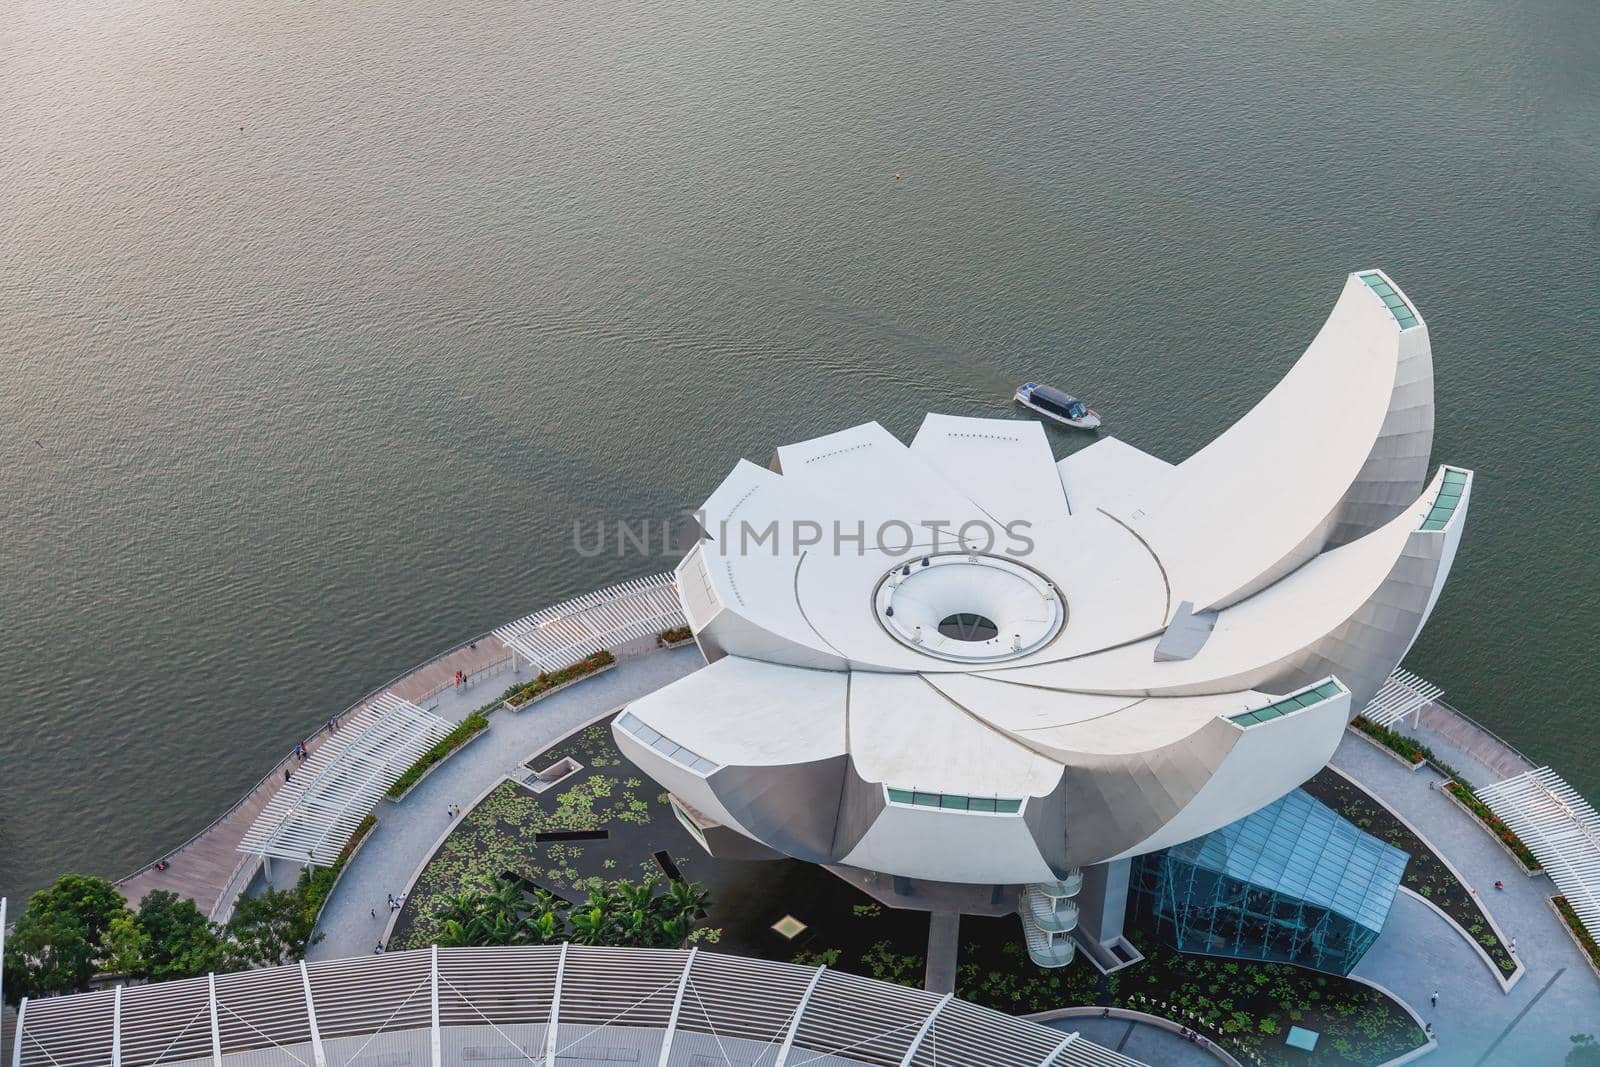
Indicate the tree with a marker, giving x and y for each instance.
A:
(62, 937)
(274, 927)
(182, 942)
(47, 955)
(126, 945)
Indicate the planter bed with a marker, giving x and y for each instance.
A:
(678, 635)
(1396, 746)
(1426, 874)
(470, 729)
(1575, 930)
(1462, 797)
(547, 684)
(320, 882)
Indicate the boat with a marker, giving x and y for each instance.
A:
(1057, 406)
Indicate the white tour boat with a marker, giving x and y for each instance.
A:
(1057, 406)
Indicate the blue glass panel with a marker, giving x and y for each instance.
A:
(1291, 882)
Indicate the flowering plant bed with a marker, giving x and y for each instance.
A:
(1410, 753)
(1426, 874)
(1478, 809)
(1244, 1006)
(468, 728)
(1579, 933)
(549, 681)
(675, 636)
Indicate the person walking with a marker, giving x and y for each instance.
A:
(374, 912)
(391, 905)
(1513, 946)
(286, 774)
(1435, 998)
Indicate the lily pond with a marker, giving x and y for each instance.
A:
(612, 822)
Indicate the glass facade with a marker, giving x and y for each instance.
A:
(1392, 300)
(953, 802)
(682, 756)
(1294, 883)
(1305, 698)
(1449, 496)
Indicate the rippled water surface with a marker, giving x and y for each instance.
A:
(321, 324)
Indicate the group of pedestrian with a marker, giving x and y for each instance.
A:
(300, 751)
(395, 902)
(1194, 1036)
(461, 679)
(453, 811)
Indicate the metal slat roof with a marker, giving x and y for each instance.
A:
(1561, 829)
(1401, 695)
(679, 1007)
(312, 817)
(576, 629)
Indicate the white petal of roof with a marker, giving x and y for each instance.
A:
(905, 733)
(1005, 466)
(1251, 639)
(1262, 498)
(1114, 475)
(742, 712)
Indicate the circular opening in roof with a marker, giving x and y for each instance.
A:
(969, 607)
(968, 626)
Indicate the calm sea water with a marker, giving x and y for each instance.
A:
(321, 324)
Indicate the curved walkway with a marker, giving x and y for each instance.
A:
(356, 914)
(1143, 1041)
(209, 868)
(1420, 951)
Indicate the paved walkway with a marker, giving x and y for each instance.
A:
(1420, 952)
(1140, 1040)
(209, 868)
(355, 915)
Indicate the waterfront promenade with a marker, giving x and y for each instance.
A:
(355, 915)
(210, 869)
(1420, 951)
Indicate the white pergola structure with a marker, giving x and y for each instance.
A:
(543, 1006)
(576, 629)
(311, 818)
(1403, 694)
(1561, 829)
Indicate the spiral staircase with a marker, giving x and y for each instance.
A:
(1049, 915)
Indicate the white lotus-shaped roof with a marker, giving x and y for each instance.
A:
(960, 660)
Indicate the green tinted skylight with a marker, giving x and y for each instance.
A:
(1444, 505)
(1306, 698)
(954, 802)
(1401, 311)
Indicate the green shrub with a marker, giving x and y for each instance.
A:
(519, 695)
(469, 726)
(1585, 939)
(1394, 742)
(1492, 821)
